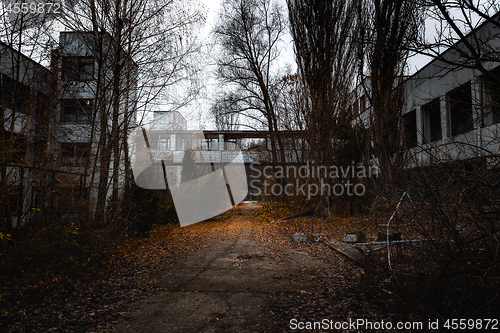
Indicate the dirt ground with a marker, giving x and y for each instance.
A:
(224, 286)
(240, 272)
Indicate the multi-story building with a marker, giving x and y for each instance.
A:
(56, 122)
(96, 110)
(25, 90)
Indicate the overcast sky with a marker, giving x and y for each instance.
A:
(213, 7)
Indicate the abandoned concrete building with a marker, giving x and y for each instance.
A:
(24, 110)
(452, 113)
(48, 116)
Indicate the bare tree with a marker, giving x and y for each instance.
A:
(387, 27)
(457, 21)
(325, 50)
(249, 32)
(226, 113)
(142, 49)
(25, 95)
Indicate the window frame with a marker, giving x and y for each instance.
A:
(76, 153)
(411, 139)
(490, 103)
(454, 99)
(74, 68)
(81, 116)
(431, 111)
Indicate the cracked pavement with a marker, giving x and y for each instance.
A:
(223, 287)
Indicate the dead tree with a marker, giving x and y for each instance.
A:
(249, 33)
(387, 27)
(325, 52)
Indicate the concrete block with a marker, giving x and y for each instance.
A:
(350, 238)
(299, 237)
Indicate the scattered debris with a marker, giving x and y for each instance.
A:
(350, 238)
(299, 237)
(352, 252)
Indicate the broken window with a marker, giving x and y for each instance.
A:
(431, 113)
(410, 128)
(76, 111)
(460, 109)
(490, 94)
(78, 68)
(74, 154)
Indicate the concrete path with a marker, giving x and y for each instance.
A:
(223, 287)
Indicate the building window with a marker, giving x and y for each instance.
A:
(74, 154)
(164, 143)
(431, 113)
(490, 94)
(15, 95)
(78, 68)
(459, 103)
(410, 128)
(180, 142)
(76, 111)
(362, 104)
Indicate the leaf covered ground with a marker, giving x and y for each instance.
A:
(87, 287)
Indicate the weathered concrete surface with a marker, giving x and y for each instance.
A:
(220, 288)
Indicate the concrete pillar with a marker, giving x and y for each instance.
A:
(445, 128)
(476, 109)
(420, 126)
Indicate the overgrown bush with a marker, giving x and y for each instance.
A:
(457, 273)
(148, 208)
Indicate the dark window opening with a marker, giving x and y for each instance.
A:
(78, 68)
(491, 98)
(432, 121)
(410, 128)
(74, 154)
(362, 104)
(76, 111)
(38, 198)
(42, 108)
(15, 95)
(460, 109)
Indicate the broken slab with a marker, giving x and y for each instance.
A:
(348, 250)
